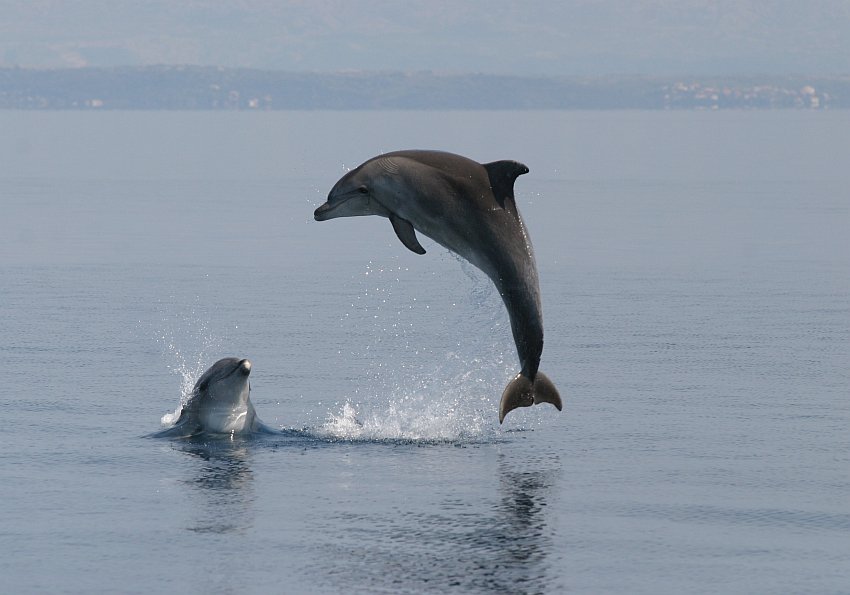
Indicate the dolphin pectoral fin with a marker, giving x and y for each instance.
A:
(179, 430)
(522, 392)
(405, 232)
(261, 428)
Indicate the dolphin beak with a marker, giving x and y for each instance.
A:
(245, 367)
(321, 214)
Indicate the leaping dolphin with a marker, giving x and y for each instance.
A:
(470, 209)
(220, 403)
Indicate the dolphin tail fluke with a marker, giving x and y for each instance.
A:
(522, 392)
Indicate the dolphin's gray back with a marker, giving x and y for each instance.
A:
(474, 214)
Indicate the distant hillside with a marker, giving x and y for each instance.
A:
(203, 88)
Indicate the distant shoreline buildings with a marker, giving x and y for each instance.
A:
(207, 88)
(696, 95)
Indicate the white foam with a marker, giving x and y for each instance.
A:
(458, 410)
(169, 419)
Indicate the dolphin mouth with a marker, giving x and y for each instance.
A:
(321, 214)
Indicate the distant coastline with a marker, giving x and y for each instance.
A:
(209, 88)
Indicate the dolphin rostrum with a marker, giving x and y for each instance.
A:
(470, 209)
(219, 403)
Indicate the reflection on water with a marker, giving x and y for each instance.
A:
(524, 527)
(455, 546)
(221, 489)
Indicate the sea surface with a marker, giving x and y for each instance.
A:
(695, 277)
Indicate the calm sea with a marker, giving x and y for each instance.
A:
(695, 275)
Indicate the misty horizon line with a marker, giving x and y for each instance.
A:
(229, 88)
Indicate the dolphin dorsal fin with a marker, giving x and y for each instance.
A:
(502, 176)
(404, 231)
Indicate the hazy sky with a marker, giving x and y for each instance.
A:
(491, 36)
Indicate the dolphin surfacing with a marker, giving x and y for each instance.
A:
(469, 208)
(220, 403)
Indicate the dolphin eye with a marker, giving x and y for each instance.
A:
(363, 190)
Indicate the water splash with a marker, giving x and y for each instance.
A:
(456, 410)
(188, 346)
(409, 391)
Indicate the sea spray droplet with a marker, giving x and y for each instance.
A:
(457, 409)
(412, 391)
(344, 425)
(188, 345)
